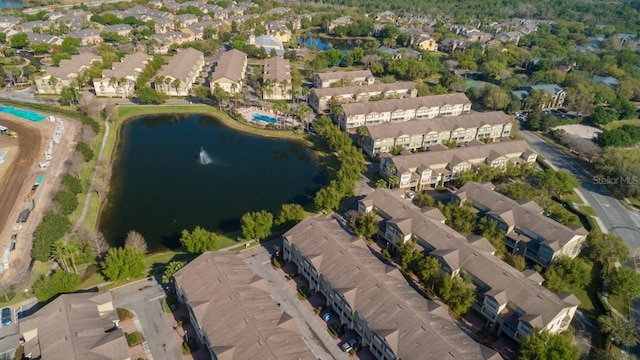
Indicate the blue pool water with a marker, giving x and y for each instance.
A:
(264, 118)
(25, 114)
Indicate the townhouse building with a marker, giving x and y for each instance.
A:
(450, 45)
(177, 77)
(57, 77)
(119, 29)
(345, 78)
(513, 303)
(229, 71)
(373, 298)
(8, 21)
(185, 20)
(43, 39)
(355, 115)
(120, 80)
(322, 99)
(276, 79)
(441, 165)
(426, 43)
(555, 96)
(269, 43)
(415, 135)
(529, 232)
(341, 21)
(233, 313)
(279, 30)
(86, 36)
(75, 327)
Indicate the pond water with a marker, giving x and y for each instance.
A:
(11, 4)
(324, 44)
(160, 188)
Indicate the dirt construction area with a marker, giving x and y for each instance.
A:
(18, 173)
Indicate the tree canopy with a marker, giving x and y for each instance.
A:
(199, 240)
(123, 263)
(256, 225)
(545, 346)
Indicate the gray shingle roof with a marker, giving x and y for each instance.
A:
(339, 75)
(233, 307)
(73, 65)
(379, 87)
(181, 64)
(127, 66)
(277, 68)
(405, 104)
(410, 324)
(416, 127)
(230, 65)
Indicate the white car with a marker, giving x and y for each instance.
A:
(410, 195)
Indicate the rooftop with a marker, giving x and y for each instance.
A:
(405, 104)
(181, 64)
(230, 65)
(277, 68)
(379, 87)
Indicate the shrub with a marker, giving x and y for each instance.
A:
(72, 183)
(186, 350)
(133, 339)
(57, 283)
(123, 314)
(89, 272)
(67, 200)
(385, 253)
(85, 150)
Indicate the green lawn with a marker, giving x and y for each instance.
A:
(587, 210)
(620, 303)
(572, 197)
(619, 123)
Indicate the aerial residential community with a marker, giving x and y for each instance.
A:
(238, 180)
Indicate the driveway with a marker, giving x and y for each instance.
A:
(313, 329)
(144, 298)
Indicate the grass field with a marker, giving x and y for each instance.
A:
(572, 197)
(587, 210)
(617, 124)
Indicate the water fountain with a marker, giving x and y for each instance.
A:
(204, 158)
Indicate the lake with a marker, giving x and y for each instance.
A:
(159, 188)
(11, 4)
(325, 44)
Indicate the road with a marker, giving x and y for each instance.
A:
(613, 216)
(144, 299)
(312, 328)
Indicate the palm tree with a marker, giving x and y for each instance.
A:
(303, 111)
(113, 82)
(283, 86)
(167, 84)
(54, 82)
(59, 254)
(71, 250)
(176, 84)
(121, 83)
(305, 93)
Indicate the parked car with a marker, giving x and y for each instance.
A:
(349, 344)
(339, 329)
(6, 316)
(328, 315)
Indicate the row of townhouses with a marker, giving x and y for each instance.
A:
(355, 115)
(229, 71)
(276, 79)
(373, 298)
(344, 78)
(323, 99)
(421, 134)
(441, 165)
(177, 77)
(233, 313)
(57, 77)
(120, 80)
(512, 302)
(528, 231)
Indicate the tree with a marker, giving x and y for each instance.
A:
(619, 330)
(199, 240)
(603, 116)
(99, 245)
(59, 254)
(171, 269)
(66, 96)
(459, 217)
(70, 45)
(85, 150)
(201, 92)
(73, 183)
(566, 274)
(19, 41)
(495, 98)
(517, 261)
(423, 199)
(328, 198)
(625, 281)
(460, 295)
(366, 225)
(256, 225)
(123, 263)
(59, 282)
(490, 229)
(67, 200)
(290, 212)
(147, 95)
(541, 345)
(136, 241)
(606, 249)
(52, 227)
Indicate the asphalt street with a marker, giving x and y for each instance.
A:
(144, 298)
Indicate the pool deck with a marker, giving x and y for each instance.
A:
(247, 113)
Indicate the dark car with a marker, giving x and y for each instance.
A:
(339, 329)
(328, 315)
(6, 316)
(349, 344)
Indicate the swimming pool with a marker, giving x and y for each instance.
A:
(264, 118)
(25, 114)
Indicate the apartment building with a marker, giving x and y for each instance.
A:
(120, 80)
(229, 71)
(345, 78)
(57, 77)
(322, 99)
(276, 79)
(75, 327)
(373, 298)
(233, 313)
(86, 36)
(279, 30)
(513, 303)
(441, 165)
(176, 78)
(530, 233)
(555, 96)
(421, 134)
(426, 107)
